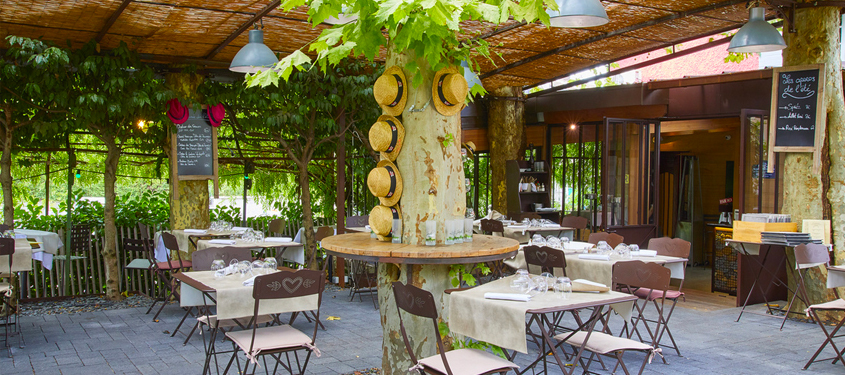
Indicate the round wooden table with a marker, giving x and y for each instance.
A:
(423, 266)
(361, 246)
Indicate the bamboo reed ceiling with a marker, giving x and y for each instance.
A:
(197, 31)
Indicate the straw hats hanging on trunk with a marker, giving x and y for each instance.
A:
(387, 135)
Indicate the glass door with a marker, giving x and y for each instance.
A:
(630, 166)
(759, 190)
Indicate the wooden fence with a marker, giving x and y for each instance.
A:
(88, 274)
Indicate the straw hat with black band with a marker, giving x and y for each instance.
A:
(381, 221)
(385, 182)
(391, 91)
(387, 136)
(449, 91)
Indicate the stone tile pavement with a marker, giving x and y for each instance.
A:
(128, 342)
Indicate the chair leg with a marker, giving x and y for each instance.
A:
(187, 313)
(828, 340)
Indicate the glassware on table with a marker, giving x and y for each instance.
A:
(245, 267)
(534, 223)
(431, 233)
(458, 234)
(270, 265)
(553, 242)
(259, 236)
(526, 221)
(538, 240)
(563, 288)
(564, 242)
(233, 265)
(396, 232)
(550, 278)
(468, 229)
(258, 267)
(219, 268)
(450, 231)
(538, 286)
(632, 249)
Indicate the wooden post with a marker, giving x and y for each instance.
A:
(809, 195)
(341, 193)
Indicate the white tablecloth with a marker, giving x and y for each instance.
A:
(836, 276)
(182, 239)
(290, 251)
(50, 245)
(21, 260)
(601, 271)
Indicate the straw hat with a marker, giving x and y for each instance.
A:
(385, 182)
(391, 91)
(387, 136)
(470, 147)
(381, 220)
(449, 91)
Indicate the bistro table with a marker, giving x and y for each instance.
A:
(518, 261)
(503, 323)
(49, 244)
(185, 240)
(292, 251)
(21, 260)
(523, 233)
(601, 271)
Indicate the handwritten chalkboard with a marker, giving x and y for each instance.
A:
(195, 147)
(797, 111)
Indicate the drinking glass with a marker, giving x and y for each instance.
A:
(468, 229)
(219, 268)
(633, 249)
(396, 233)
(563, 288)
(538, 286)
(538, 240)
(259, 236)
(458, 226)
(564, 242)
(270, 265)
(430, 233)
(553, 242)
(233, 265)
(518, 282)
(244, 267)
(450, 231)
(258, 267)
(550, 278)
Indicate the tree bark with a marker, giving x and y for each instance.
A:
(430, 161)
(191, 209)
(506, 135)
(307, 218)
(6, 172)
(818, 196)
(110, 240)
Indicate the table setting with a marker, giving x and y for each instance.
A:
(43, 245)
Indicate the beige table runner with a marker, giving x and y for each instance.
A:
(234, 300)
(21, 260)
(502, 323)
(601, 271)
(836, 276)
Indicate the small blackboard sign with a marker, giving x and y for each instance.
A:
(797, 110)
(195, 147)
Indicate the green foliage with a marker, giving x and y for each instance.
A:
(150, 207)
(736, 58)
(430, 28)
(448, 139)
(464, 274)
(468, 343)
(229, 214)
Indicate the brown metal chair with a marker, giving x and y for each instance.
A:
(673, 247)
(418, 302)
(276, 226)
(363, 279)
(7, 249)
(630, 276)
(4, 227)
(577, 222)
(492, 226)
(134, 246)
(357, 221)
(275, 340)
(811, 255)
(612, 239)
(648, 279)
(547, 258)
(165, 269)
(531, 216)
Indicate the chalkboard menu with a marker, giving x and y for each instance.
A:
(195, 151)
(797, 110)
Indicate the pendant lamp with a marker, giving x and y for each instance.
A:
(578, 13)
(254, 56)
(757, 35)
(470, 76)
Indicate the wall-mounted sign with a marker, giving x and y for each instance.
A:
(194, 150)
(797, 113)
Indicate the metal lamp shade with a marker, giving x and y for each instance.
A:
(470, 76)
(578, 13)
(757, 35)
(254, 56)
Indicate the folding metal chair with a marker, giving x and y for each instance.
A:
(491, 227)
(653, 279)
(578, 222)
(165, 269)
(80, 243)
(363, 279)
(358, 221)
(10, 319)
(276, 226)
(280, 339)
(612, 239)
(418, 302)
(133, 246)
(808, 256)
(673, 247)
(546, 258)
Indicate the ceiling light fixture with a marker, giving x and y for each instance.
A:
(757, 35)
(578, 13)
(255, 56)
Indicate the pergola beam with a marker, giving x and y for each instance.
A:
(267, 9)
(613, 33)
(112, 20)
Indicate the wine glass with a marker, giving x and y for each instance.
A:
(245, 267)
(219, 268)
(270, 265)
(553, 242)
(233, 265)
(564, 242)
(258, 267)
(538, 240)
(538, 286)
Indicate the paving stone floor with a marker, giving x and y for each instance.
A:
(127, 341)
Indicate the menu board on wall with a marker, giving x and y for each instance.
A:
(797, 112)
(194, 151)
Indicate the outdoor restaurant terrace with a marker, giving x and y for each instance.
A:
(380, 186)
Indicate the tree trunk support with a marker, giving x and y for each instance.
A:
(506, 137)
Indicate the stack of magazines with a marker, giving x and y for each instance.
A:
(787, 238)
